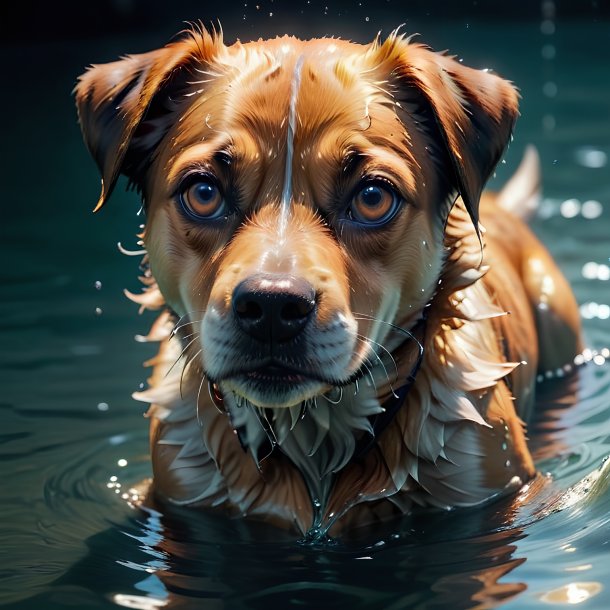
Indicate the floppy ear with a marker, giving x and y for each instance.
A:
(117, 99)
(474, 111)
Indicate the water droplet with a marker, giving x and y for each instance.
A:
(548, 51)
(366, 19)
(98, 311)
(122, 463)
(591, 209)
(98, 285)
(570, 208)
(547, 27)
(591, 157)
(507, 463)
(549, 89)
(548, 122)
(103, 406)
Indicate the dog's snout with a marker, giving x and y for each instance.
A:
(273, 308)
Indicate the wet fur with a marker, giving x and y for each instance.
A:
(394, 108)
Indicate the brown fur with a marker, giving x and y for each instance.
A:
(432, 127)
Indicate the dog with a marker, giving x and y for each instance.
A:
(350, 329)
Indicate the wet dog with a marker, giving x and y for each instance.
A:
(349, 328)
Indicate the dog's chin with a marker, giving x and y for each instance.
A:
(268, 392)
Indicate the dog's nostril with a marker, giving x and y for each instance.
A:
(297, 309)
(248, 309)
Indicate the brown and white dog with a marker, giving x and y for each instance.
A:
(337, 345)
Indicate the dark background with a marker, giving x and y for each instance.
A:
(78, 19)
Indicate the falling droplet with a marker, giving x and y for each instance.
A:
(98, 311)
(98, 285)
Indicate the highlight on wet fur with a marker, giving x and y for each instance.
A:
(348, 329)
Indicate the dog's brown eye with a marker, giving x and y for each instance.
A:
(203, 199)
(374, 204)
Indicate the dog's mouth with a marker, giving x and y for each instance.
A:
(276, 374)
(271, 385)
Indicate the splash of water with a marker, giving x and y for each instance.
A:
(292, 118)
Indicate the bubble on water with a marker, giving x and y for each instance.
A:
(570, 208)
(98, 285)
(548, 122)
(103, 406)
(603, 273)
(589, 270)
(589, 156)
(549, 89)
(548, 51)
(591, 209)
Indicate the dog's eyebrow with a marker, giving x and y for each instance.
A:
(225, 155)
(350, 160)
(200, 155)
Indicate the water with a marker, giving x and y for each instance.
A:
(70, 431)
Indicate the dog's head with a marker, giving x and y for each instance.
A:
(295, 193)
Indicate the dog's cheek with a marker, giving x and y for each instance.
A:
(168, 260)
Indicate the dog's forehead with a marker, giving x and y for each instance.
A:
(251, 87)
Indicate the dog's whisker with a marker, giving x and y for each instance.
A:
(198, 401)
(188, 362)
(357, 387)
(268, 430)
(370, 374)
(210, 394)
(384, 348)
(366, 340)
(181, 354)
(333, 402)
(364, 316)
(178, 325)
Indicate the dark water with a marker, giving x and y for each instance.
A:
(70, 433)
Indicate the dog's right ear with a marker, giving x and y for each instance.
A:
(114, 100)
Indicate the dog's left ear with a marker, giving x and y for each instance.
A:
(474, 111)
(122, 105)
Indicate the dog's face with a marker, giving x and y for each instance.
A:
(296, 193)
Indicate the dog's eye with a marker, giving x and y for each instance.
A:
(203, 199)
(374, 204)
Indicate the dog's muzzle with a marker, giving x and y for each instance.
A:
(273, 308)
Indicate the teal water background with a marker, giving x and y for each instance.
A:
(69, 364)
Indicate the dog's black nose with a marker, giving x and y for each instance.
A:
(273, 308)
